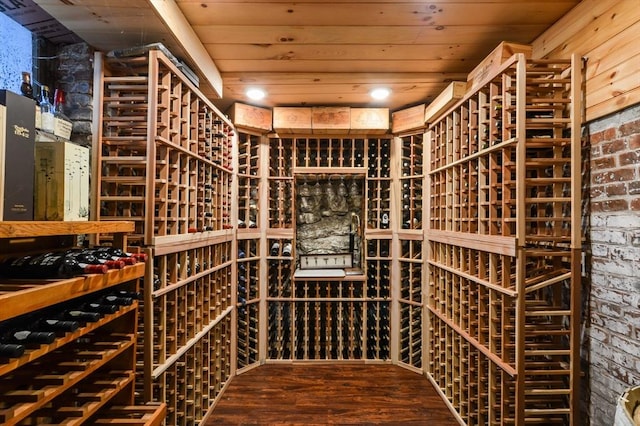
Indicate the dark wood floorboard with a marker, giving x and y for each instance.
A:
(323, 394)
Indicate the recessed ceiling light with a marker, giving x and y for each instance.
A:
(255, 94)
(380, 93)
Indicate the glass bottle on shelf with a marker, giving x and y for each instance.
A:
(46, 111)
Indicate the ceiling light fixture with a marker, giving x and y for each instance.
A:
(380, 93)
(255, 94)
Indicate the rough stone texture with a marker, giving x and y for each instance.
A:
(75, 77)
(612, 333)
(323, 221)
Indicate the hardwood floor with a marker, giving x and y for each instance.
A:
(323, 394)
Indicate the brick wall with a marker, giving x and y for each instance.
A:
(75, 77)
(613, 243)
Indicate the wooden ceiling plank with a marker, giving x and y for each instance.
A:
(373, 14)
(345, 52)
(336, 78)
(442, 65)
(490, 35)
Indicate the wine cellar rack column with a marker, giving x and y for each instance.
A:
(249, 241)
(410, 256)
(380, 219)
(279, 249)
(504, 246)
(73, 337)
(164, 160)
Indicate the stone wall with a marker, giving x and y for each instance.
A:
(612, 338)
(75, 77)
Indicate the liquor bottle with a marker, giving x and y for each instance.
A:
(48, 265)
(46, 111)
(26, 88)
(11, 350)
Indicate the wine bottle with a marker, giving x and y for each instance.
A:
(29, 338)
(140, 257)
(82, 316)
(48, 265)
(86, 256)
(101, 308)
(117, 300)
(56, 325)
(384, 221)
(107, 254)
(11, 350)
(275, 249)
(286, 250)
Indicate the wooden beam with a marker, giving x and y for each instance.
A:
(174, 20)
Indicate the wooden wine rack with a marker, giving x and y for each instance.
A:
(248, 180)
(164, 159)
(504, 246)
(323, 318)
(190, 295)
(84, 376)
(163, 154)
(191, 384)
(248, 278)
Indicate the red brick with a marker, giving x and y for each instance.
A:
(635, 204)
(631, 157)
(634, 141)
(605, 135)
(613, 147)
(597, 191)
(603, 163)
(615, 175)
(616, 189)
(610, 206)
(634, 187)
(630, 128)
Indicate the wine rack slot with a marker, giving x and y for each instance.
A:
(248, 298)
(334, 153)
(503, 235)
(141, 415)
(72, 341)
(191, 385)
(248, 180)
(191, 295)
(379, 213)
(164, 151)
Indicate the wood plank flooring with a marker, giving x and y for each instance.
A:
(323, 394)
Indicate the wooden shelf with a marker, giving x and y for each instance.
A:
(92, 366)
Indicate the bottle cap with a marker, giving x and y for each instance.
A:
(96, 269)
(114, 264)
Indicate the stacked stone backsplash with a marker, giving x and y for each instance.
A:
(612, 338)
(75, 77)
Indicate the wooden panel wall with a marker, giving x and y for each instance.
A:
(606, 33)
